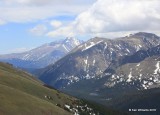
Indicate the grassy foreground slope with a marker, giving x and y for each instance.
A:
(21, 94)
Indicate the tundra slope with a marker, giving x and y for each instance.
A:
(22, 94)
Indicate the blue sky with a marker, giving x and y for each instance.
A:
(26, 24)
(16, 34)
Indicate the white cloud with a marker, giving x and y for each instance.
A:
(46, 2)
(23, 14)
(2, 22)
(108, 16)
(115, 15)
(64, 31)
(27, 2)
(55, 23)
(17, 50)
(32, 10)
(38, 30)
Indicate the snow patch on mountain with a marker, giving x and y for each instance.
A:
(91, 45)
(157, 70)
(138, 64)
(129, 77)
(25, 57)
(65, 48)
(94, 61)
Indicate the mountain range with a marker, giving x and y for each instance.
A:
(90, 59)
(107, 70)
(42, 55)
(121, 73)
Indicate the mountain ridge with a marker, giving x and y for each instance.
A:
(127, 85)
(92, 58)
(43, 55)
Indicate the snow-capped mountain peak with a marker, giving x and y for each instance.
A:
(72, 40)
(43, 55)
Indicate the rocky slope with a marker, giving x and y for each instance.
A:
(90, 59)
(141, 70)
(43, 55)
(135, 72)
(130, 82)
